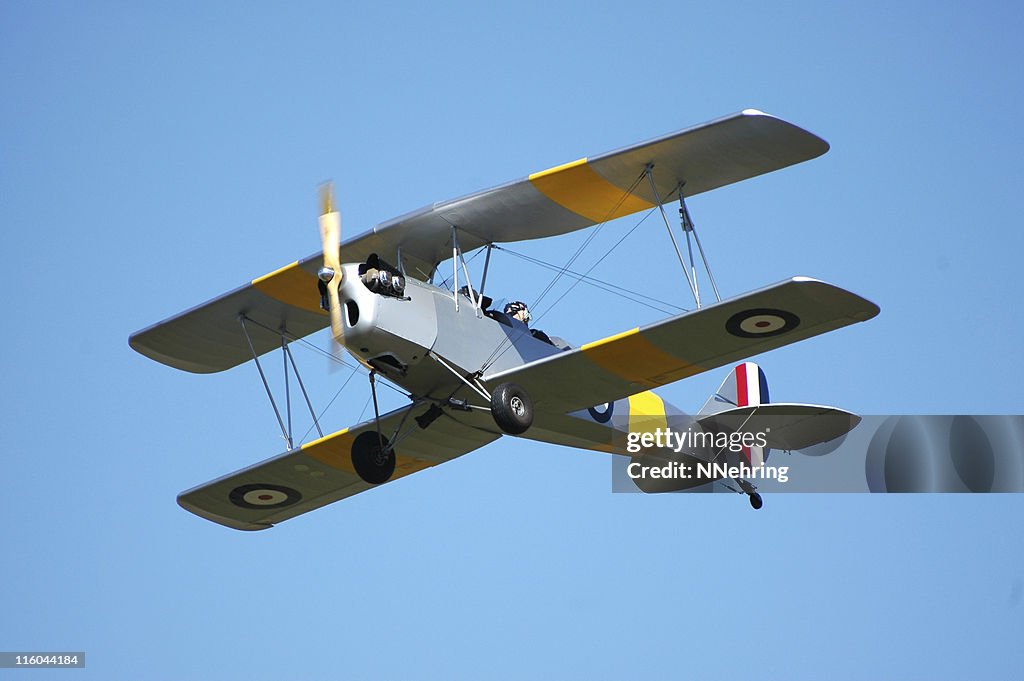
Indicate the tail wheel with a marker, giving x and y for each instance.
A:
(511, 408)
(372, 458)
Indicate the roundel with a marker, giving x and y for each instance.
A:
(761, 323)
(263, 496)
(602, 413)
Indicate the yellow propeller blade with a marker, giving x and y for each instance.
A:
(330, 236)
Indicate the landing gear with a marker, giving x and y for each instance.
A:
(511, 408)
(373, 458)
(755, 501)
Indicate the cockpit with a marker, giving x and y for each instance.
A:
(514, 314)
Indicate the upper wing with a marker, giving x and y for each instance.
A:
(562, 199)
(688, 344)
(593, 190)
(209, 337)
(321, 472)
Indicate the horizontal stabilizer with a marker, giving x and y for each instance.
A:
(785, 426)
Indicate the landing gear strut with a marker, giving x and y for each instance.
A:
(373, 457)
(511, 406)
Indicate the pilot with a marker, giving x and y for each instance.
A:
(518, 310)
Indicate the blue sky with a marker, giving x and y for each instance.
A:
(153, 156)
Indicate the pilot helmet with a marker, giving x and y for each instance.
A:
(518, 310)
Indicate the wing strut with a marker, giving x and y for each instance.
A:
(266, 386)
(688, 228)
(286, 432)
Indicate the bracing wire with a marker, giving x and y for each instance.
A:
(324, 411)
(444, 282)
(633, 296)
(330, 355)
(590, 237)
(504, 346)
(508, 342)
(599, 261)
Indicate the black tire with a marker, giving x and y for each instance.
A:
(756, 501)
(369, 460)
(511, 408)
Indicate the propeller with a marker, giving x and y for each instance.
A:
(330, 273)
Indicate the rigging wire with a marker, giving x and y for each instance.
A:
(365, 406)
(599, 261)
(339, 360)
(633, 296)
(590, 237)
(336, 395)
(444, 282)
(330, 355)
(509, 341)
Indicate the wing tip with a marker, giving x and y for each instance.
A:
(869, 309)
(233, 523)
(137, 342)
(820, 145)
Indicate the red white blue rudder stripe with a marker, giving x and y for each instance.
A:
(751, 391)
(744, 386)
(751, 385)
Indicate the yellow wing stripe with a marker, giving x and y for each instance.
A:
(646, 413)
(291, 285)
(335, 450)
(632, 357)
(579, 188)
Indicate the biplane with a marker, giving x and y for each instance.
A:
(473, 374)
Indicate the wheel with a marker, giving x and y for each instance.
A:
(511, 408)
(756, 501)
(370, 460)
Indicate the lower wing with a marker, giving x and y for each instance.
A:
(687, 344)
(324, 471)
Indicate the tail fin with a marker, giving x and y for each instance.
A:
(741, 404)
(744, 386)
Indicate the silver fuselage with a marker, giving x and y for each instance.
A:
(397, 336)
